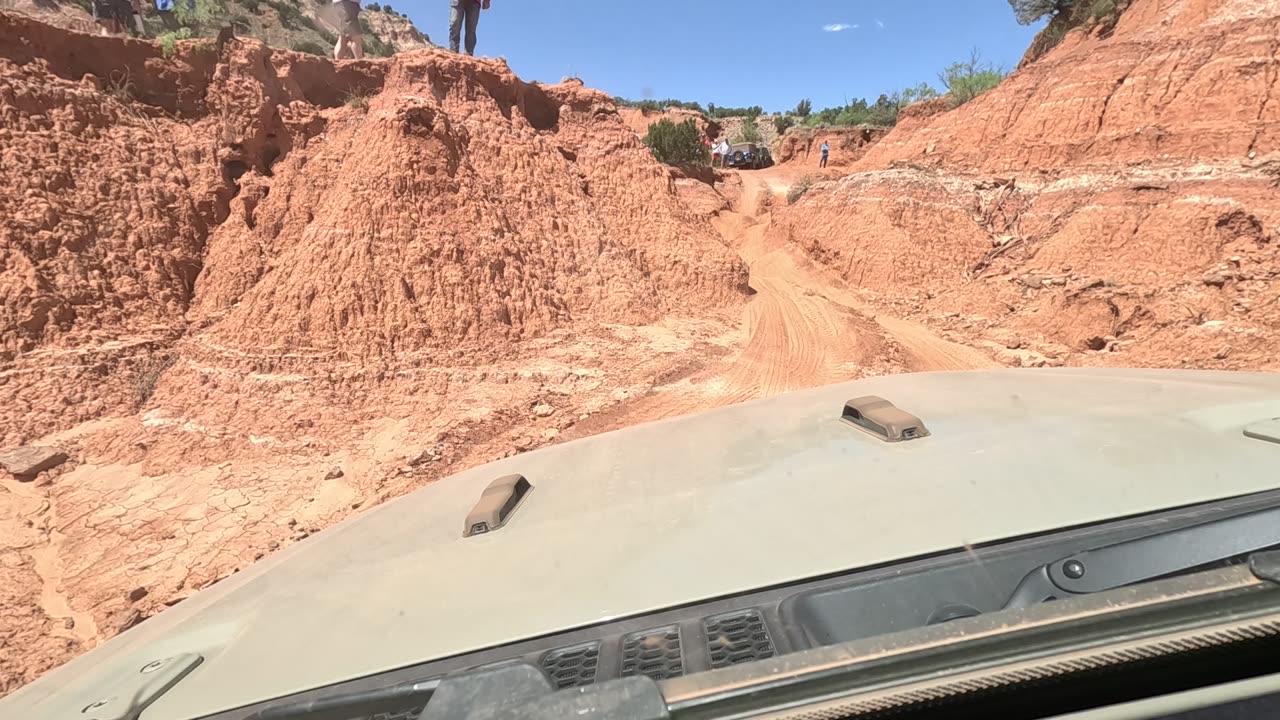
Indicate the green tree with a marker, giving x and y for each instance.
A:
(724, 112)
(783, 123)
(923, 91)
(676, 143)
(967, 79)
(658, 105)
(194, 12)
(1029, 11)
(750, 132)
(804, 107)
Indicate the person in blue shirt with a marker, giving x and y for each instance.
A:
(825, 150)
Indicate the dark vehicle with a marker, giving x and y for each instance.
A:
(748, 155)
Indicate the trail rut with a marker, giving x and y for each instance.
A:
(803, 328)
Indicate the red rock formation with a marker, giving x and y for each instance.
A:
(297, 207)
(1089, 198)
(639, 120)
(848, 145)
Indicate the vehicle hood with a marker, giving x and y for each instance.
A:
(688, 509)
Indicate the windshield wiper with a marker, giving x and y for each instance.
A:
(390, 700)
(1146, 558)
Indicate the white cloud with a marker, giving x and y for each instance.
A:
(838, 27)
(880, 24)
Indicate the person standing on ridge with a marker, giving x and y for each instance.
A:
(113, 16)
(136, 13)
(469, 11)
(825, 149)
(350, 34)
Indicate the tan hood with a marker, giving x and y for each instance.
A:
(693, 508)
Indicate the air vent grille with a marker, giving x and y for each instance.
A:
(737, 638)
(572, 666)
(653, 653)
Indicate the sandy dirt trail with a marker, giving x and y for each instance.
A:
(801, 329)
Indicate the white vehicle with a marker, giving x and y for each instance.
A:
(886, 545)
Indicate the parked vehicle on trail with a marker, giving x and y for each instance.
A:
(748, 155)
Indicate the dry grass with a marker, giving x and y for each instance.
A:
(147, 375)
(798, 189)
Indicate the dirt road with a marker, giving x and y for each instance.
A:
(803, 328)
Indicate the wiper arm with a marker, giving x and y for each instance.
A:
(396, 698)
(1146, 558)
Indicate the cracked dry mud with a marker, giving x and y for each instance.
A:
(222, 278)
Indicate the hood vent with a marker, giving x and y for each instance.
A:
(883, 419)
(653, 653)
(737, 638)
(497, 503)
(572, 666)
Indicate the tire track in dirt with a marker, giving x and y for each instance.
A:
(801, 329)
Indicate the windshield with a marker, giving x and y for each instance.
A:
(318, 319)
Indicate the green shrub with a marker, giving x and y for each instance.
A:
(724, 112)
(291, 18)
(373, 6)
(169, 41)
(1029, 11)
(196, 12)
(658, 105)
(373, 44)
(676, 143)
(750, 132)
(1105, 14)
(358, 101)
(312, 48)
(967, 79)
(797, 190)
(804, 107)
(883, 112)
(783, 123)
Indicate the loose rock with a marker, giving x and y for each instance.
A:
(25, 462)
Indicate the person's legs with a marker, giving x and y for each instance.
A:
(823, 162)
(473, 19)
(341, 47)
(455, 24)
(353, 29)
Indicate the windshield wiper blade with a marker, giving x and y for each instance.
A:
(392, 699)
(1149, 557)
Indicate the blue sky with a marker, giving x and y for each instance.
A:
(738, 52)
